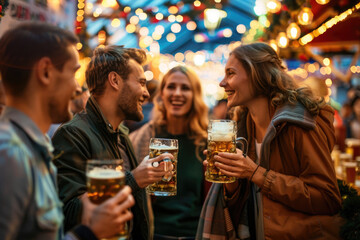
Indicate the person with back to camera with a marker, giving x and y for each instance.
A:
(117, 84)
(38, 64)
(286, 187)
(179, 113)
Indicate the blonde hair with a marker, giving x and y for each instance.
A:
(197, 119)
(269, 78)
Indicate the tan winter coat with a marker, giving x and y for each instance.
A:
(300, 196)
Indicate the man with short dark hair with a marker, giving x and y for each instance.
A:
(117, 85)
(37, 66)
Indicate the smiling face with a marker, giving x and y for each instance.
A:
(236, 84)
(177, 95)
(63, 88)
(133, 93)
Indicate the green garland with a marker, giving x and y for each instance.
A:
(3, 6)
(350, 211)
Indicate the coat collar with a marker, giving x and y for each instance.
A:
(94, 111)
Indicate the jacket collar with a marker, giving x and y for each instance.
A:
(26, 124)
(95, 113)
(295, 114)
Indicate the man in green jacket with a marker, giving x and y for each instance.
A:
(117, 85)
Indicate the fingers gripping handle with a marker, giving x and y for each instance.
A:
(240, 141)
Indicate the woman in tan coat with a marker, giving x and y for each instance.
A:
(286, 186)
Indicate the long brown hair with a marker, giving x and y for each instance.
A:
(197, 119)
(269, 77)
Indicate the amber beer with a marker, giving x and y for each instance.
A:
(104, 179)
(103, 184)
(166, 186)
(221, 138)
(219, 143)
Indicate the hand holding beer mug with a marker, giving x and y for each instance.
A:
(221, 138)
(104, 179)
(167, 185)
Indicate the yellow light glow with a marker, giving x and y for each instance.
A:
(197, 3)
(305, 16)
(199, 38)
(273, 44)
(81, 5)
(80, 12)
(159, 16)
(199, 59)
(311, 68)
(282, 40)
(159, 29)
(353, 69)
(293, 31)
(241, 28)
(328, 82)
(323, 70)
(101, 37)
(179, 57)
(127, 9)
(326, 61)
(273, 6)
(138, 11)
(306, 39)
(176, 27)
(155, 48)
(254, 24)
(148, 40)
(179, 18)
(79, 18)
(115, 23)
(88, 8)
(134, 20)
(322, 2)
(97, 12)
(191, 25)
(171, 18)
(109, 3)
(170, 37)
(156, 36)
(130, 28)
(144, 31)
(212, 18)
(149, 75)
(142, 16)
(227, 32)
(173, 10)
(79, 46)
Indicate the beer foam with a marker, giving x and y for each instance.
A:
(222, 127)
(105, 173)
(225, 137)
(163, 147)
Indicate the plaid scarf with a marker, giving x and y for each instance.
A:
(215, 222)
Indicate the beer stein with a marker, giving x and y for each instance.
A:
(222, 138)
(104, 179)
(167, 185)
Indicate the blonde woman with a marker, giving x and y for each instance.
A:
(179, 113)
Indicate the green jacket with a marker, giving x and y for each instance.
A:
(90, 136)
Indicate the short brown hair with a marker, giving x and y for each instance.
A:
(110, 59)
(24, 45)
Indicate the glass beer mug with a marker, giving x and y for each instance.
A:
(221, 138)
(167, 185)
(104, 179)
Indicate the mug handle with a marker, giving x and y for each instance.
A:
(244, 145)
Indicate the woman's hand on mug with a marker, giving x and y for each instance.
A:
(235, 164)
